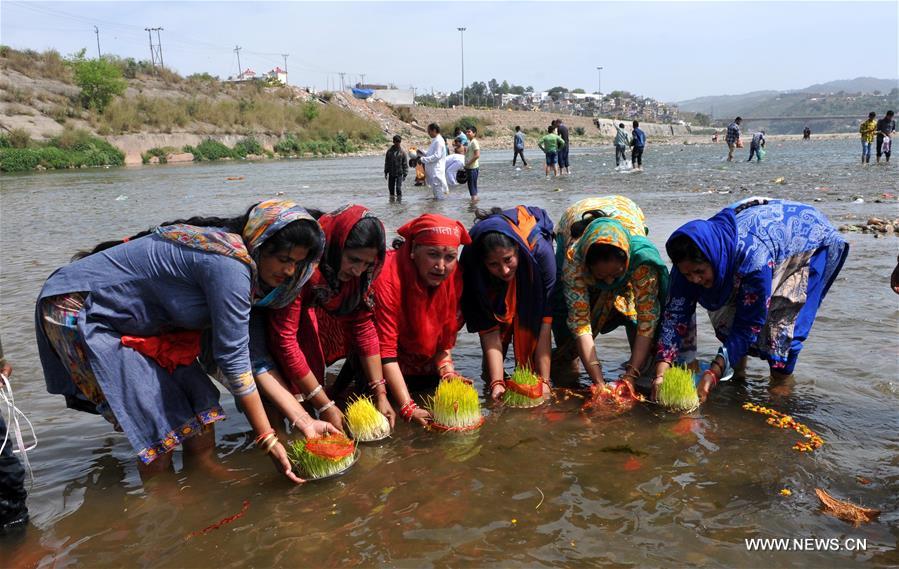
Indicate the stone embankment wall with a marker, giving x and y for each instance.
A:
(507, 119)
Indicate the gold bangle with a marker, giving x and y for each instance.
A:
(261, 443)
(270, 444)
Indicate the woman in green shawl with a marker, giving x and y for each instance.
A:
(610, 275)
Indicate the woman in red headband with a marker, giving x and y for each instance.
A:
(332, 317)
(417, 312)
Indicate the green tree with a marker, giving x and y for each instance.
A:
(580, 91)
(98, 79)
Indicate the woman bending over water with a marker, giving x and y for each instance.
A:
(118, 330)
(761, 267)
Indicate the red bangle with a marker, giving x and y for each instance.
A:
(407, 410)
(262, 436)
(496, 382)
(376, 384)
(714, 376)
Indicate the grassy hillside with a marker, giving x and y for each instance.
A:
(40, 95)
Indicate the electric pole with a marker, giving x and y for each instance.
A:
(159, 46)
(342, 86)
(362, 83)
(97, 31)
(237, 49)
(285, 56)
(462, 39)
(155, 50)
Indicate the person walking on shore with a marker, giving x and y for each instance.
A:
(396, 167)
(622, 141)
(550, 144)
(806, 133)
(518, 147)
(733, 138)
(639, 142)
(867, 130)
(886, 128)
(435, 163)
(472, 161)
(563, 151)
(755, 147)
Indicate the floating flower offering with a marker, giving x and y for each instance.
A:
(678, 390)
(322, 457)
(611, 398)
(523, 389)
(365, 421)
(781, 421)
(455, 406)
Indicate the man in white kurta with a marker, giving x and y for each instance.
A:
(435, 163)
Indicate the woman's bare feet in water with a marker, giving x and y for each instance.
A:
(781, 384)
(199, 453)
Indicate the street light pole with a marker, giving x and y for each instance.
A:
(462, 40)
(599, 87)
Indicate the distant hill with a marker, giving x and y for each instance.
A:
(846, 97)
(857, 85)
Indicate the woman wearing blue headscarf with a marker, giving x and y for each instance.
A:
(761, 267)
(509, 272)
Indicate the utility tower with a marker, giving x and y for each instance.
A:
(155, 49)
(342, 84)
(237, 49)
(97, 31)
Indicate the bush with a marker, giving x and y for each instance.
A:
(161, 153)
(579, 130)
(19, 138)
(248, 145)
(403, 113)
(210, 149)
(18, 159)
(98, 79)
(72, 149)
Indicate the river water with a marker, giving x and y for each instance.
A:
(548, 487)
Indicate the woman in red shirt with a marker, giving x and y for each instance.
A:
(417, 311)
(332, 316)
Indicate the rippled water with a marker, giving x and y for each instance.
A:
(531, 488)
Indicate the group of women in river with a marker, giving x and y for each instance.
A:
(135, 330)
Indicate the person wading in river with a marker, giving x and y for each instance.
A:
(761, 267)
(119, 330)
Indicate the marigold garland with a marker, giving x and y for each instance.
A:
(782, 421)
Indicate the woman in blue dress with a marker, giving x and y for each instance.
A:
(119, 330)
(509, 272)
(761, 267)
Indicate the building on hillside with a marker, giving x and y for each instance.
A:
(277, 74)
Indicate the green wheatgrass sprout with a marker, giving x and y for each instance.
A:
(678, 391)
(526, 378)
(365, 421)
(312, 466)
(455, 404)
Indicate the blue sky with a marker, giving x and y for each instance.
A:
(671, 50)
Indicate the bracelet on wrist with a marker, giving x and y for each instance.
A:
(263, 436)
(496, 382)
(313, 393)
(325, 407)
(269, 444)
(374, 385)
(407, 410)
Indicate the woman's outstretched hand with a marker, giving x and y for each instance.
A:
(282, 464)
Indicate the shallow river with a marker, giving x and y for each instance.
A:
(539, 488)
